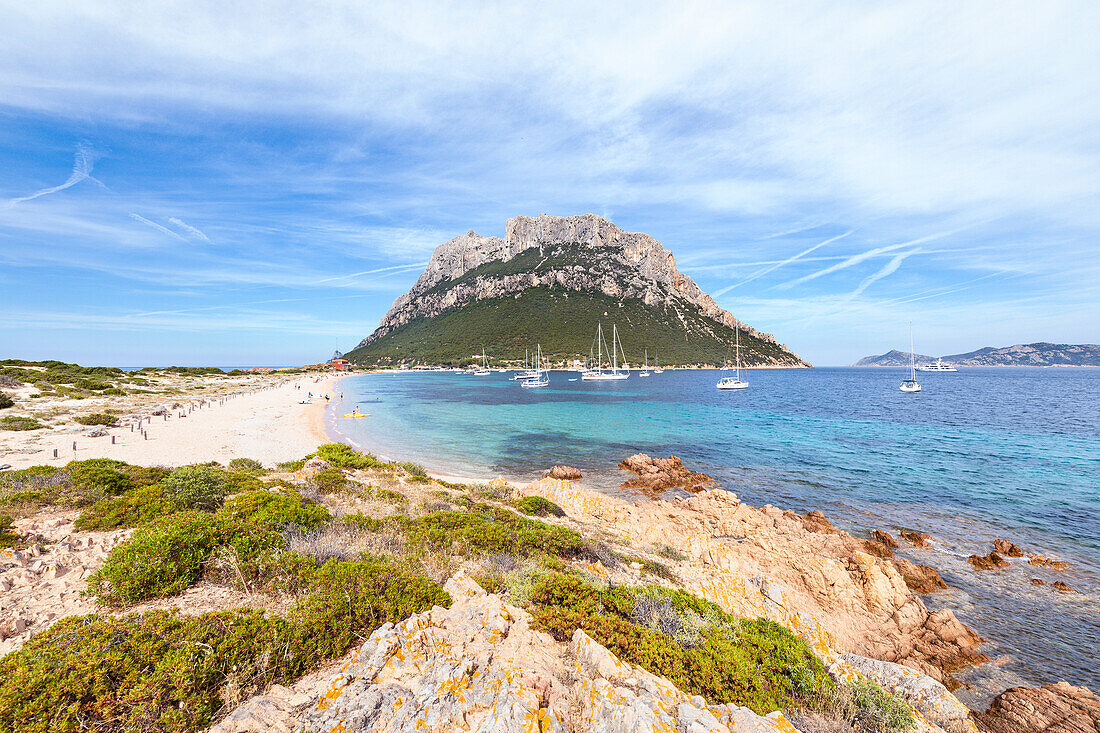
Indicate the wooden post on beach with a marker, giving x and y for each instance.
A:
(112, 440)
(55, 452)
(74, 446)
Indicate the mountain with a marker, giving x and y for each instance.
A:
(1037, 354)
(892, 358)
(549, 281)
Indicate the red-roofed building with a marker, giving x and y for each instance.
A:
(339, 365)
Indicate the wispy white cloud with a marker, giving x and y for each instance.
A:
(159, 227)
(83, 161)
(888, 269)
(192, 231)
(863, 257)
(777, 265)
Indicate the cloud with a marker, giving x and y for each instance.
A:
(158, 227)
(82, 170)
(192, 231)
(888, 269)
(777, 265)
(863, 257)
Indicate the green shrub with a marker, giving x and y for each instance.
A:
(114, 392)
(91, 384)
(198, 487)
(245, 464)
(490, 530)
(268, 508)
(698, 647)
(329, 481)
(100, 476)
(414, 470)
(8, 536)
(5, 400)
(539, 507)
(157, 561)
(12, 422)
(392, 497)
(344, 456)
(869, 707)
(290, 466)
(134, 508)
(164, 671)
(96, 418)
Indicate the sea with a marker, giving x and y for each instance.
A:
(979, 454)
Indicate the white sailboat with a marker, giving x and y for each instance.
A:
(735, 381)
(483, 370)
(542, 376)
(645, 369)
(911, 384)
(599, 374)
(657, 365)
(528, 372)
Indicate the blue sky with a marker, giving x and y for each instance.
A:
(190, 183)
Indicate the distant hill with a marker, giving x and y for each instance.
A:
(1037, 354)
(892, 358)
(549, 281)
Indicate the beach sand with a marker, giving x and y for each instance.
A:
(268, 425)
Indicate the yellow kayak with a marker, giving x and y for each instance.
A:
(357, 414)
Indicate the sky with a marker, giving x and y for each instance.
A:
(255, 183)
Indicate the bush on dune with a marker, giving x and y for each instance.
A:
(344, 456)
(134, 508)
(13, 422)
(163, 671)
(5, 400)
(198, 487)
(96, 418)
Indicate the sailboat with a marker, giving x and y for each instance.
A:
(735, 381)
(657, 365)
(483, 370)
(599, 373)
(645, 369)
(911, 384)
(542, 376)
(528, 372)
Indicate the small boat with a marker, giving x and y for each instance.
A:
(483, 370)
(599, 374)
(645, 368)
(911, 384)
(542, 376)
(357, 414)
(735, 381)
(939, 365)
(657, 365)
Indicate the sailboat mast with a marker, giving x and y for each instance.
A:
(912, 370)
(614, 351)
(738, 337)
(599, 346)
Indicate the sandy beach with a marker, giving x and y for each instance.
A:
(263, 420)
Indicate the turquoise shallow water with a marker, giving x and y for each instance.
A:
(979, 454)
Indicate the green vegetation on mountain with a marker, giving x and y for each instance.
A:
(564, 322)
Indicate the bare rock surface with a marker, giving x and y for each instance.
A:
(1008, 549)
(835, 594)
(884, 537)
(658, 474)
(992, 561)
(567, 473)
(919, 578)
(916, 539)
(479, 666)
(925, 694)
(1060, 708)
(1047, 562)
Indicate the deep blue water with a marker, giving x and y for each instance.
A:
(979, 454)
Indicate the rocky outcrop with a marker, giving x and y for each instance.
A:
(658, 474)
(624, 265)
(479, 666)
(1062, 708)
(992, 561)
(566, 473)
(834, 593)
(916, 539)
(1047, 562)
(1008, 549)
(922, 692)
(919, 578)
(885, 538)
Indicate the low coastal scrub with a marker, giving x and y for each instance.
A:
(8, 536)
(339, 455)
(13, 422)
(96, 418)
(246, 464)
(539, 507)
(697, 646)
(164, 671)
(197, 487)
(486, 530)
(5, 400)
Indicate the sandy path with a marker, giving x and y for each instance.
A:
(268, 425)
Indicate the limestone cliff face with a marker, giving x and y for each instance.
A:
(602, 258)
